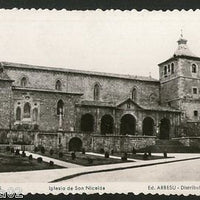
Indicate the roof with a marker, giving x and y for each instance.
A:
(152, 107)
(66, 70)
(183, 49)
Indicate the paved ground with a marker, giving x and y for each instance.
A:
(44, 176)
(177, 171)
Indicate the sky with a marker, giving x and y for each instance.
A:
(124, 42)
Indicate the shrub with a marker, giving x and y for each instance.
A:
(12, 150)
(165, 154)
(145, 156)
(36, 149)
(7, 148)
(112, 152)
(23, 154)
(39, 159)
(42, 150)
(51, 152)
(51, 163)
(73, 155)
(30, 157)
(134, 151)
(90, 160)
(124, 157)
(106, 154)
(101, 150)
(83, 150)
(17, 152)
(60, 154)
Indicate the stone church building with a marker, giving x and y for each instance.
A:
(72, 109)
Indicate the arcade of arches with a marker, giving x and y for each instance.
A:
(127, 125)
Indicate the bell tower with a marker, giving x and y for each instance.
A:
(180, 81)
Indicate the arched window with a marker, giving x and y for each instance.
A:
(165, 71)
(24, 82)
(27, 110)
(172, 68)
(134, 94)
(35, 114)
(96, 91)
(58, 85)
(60, 106)
(194, 68)
(18, 114)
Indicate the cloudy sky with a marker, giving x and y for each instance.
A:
(112, 41)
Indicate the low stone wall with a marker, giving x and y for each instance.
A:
(121, 143)
(189, 141)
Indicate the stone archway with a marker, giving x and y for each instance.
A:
(148, 126)
(164, 129)
(107, 124)
(75, 144)
(87, 123)
(128, 125)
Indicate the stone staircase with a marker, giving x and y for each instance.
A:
(169, 146)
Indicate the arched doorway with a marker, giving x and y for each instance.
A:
(107, 124)
(87, 123)
(128, 125)
(164, 128)
(147, 126)
(75, 144)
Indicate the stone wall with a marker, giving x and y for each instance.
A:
(46, 102)
(121, 143)
(189, 141)
(111, 88)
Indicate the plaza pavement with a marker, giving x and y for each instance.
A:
(44, 176)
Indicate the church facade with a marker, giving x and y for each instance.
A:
(72, 109)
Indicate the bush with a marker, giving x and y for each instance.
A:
(60, 154)
(83, 150)
(101, 151)
(112, 152)
(73, 155)
(51, 152)
(42, 150)
(124, 157)
(36, 149)
(30, 157)
(145, 156)
(90, 160)
(23, 154)
(39, 159)
(7, 148)
(165, 154)
(106, 154)
(51, 163)
(17, 152)
(12, 150)
(134, 151)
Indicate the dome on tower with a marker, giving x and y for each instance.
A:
(183, 49)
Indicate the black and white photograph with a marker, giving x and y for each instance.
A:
(99, 101)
